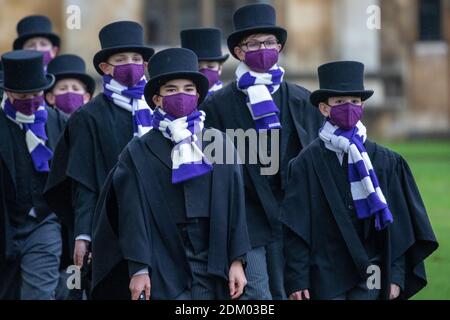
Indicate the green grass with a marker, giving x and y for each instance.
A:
(430, 164)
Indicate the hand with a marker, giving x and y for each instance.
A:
(81, 249)
(138, 284)
(237, 280)
(395, 291)
(300, 295)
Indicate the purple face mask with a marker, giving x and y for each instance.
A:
(69, 102)
(180, 104)
(128, 74)
(212, 75)
(346, 115)
(47, 57)
(261, 60)
(28, 106)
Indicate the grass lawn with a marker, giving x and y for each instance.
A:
(430, 163)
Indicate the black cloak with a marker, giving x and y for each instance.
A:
(133, 223)
(324, 253)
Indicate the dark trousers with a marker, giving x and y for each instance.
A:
(33, 269)
(204, 285)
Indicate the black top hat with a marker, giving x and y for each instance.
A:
(340, 78)
(71, 66)
(252, 19)
(34, 26)
(24, 72)
(205, 42)
(174, 63)
(121, 36)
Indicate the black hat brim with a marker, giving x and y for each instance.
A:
(152, 87)
(322, 95)
(220, 59)
(50, 82)
(236, 37)
(20, 41)
(88, 81)
(104, 54)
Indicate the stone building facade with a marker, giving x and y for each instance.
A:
(407, 59)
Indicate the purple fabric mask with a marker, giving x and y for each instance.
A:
(346, 115)
(261, 60)
(212, 75)
(69, 102)
(129, 74)
(47, 57)
(28, 106)
(180, 104)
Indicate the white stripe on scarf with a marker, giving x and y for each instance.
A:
(129, 104)
(183, 153)
(259, 91)
(359, 189)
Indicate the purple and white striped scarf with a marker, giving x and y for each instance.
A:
(259, 88)
(188, 160)
(216, 87)
(366, 193)
(35, 134)
(131, 99)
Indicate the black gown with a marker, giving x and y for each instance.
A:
(134, 222)
(54, 127)
(227, 109)
(89, 148)
(328, 249)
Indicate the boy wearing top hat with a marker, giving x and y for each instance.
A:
(73, 88)
(30, 239)
(170, 223)
(97, 133)
(260, 100)
(35, 33)
(206, 44)
(352, 210)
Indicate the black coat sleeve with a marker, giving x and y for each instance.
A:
(295, 215)
(84, 202)
(73, 161)
(411, 234)
(212, 118)
(133, 234)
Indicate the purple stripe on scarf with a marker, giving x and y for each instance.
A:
(143, 117)
(372, 204)
(264, 107)
(269, 122)
(246, 81)
(189, 171)
(185, 171)
(41, 155)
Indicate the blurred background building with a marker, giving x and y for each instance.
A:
(407, 59)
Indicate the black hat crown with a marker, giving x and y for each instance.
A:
(255, 18)
(174, 63)
(254, 15)
(121, 33)
(340, 78)
(35, 26)
(205, 42)
(24, 72)
(66, 63)
(121, 36)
